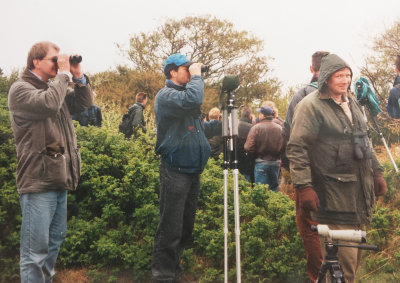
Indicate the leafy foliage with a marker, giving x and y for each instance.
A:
(210, 41)
(121, 86)
(380, 71)
(10, 215)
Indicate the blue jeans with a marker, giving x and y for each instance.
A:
(178, 203)
(43, 229)
(267, 174)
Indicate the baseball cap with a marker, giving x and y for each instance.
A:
(266, 111)
(178, 59)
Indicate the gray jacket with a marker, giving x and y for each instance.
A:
(40, 115)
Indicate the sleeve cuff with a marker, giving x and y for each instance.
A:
(80, 80)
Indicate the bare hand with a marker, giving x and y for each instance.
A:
(76, 70)
(195, 69)
(63, 63)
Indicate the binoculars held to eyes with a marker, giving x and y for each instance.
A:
(205, 68)
(73, 59)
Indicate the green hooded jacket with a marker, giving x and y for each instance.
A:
(323, 149)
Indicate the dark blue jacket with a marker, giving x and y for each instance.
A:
(181, 134)
(393, 105)
(91, 116)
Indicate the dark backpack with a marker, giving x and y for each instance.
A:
(92, 119)
(126, 126)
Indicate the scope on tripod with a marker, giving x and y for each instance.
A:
(358, 236)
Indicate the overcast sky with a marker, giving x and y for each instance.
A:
(291, 29)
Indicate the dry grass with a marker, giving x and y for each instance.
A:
(71, 275)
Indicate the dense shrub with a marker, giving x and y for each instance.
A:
(114, 213)
(10, 215)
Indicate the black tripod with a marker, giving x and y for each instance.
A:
(332, 263)
(230, 134)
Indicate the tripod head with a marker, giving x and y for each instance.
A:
(229, 84)
(229, 120)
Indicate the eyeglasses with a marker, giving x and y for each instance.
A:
(53, 59)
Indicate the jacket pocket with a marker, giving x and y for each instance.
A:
(340, 192)
(187, 154)
(54, 169)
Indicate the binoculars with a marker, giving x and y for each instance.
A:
(205, 68)
(73, 59)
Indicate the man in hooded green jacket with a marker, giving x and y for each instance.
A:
(332, 164)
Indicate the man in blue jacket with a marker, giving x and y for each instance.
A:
(393, 105)
(184, 149)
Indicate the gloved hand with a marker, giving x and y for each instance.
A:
(308, 199)
(379, 184)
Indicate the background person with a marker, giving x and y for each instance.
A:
(48, 156)
(393, 105)
(91, 116)
(137, 111)
(265, 142)
(246, 162)
(277, 119)
(336, 176)
(303, 217)
(216, 142)
(184, 149)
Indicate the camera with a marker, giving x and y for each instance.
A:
(205, 68)
(73, 59)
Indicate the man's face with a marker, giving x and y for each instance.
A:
(339, 82)
(46, 68)
(181, 76)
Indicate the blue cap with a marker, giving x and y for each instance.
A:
(177, 59)
(266, 111)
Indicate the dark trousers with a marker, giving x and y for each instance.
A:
(311, 241)
(178, 202)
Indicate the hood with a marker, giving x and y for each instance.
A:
(330, 64)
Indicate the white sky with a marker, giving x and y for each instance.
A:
(291, 29)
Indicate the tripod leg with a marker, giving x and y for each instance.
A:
(337, 274)
(322, 272)
(226, 225)
(237, 223)
(385, 144)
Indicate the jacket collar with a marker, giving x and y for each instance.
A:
(246, 119)
(29, 77)
(267, 119)
(140, 104)
(169, 83)
(325, 95)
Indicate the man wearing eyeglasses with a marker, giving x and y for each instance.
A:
(49, 161)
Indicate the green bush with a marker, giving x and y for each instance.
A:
(10, 215)
(384, 231)
(112, 216)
